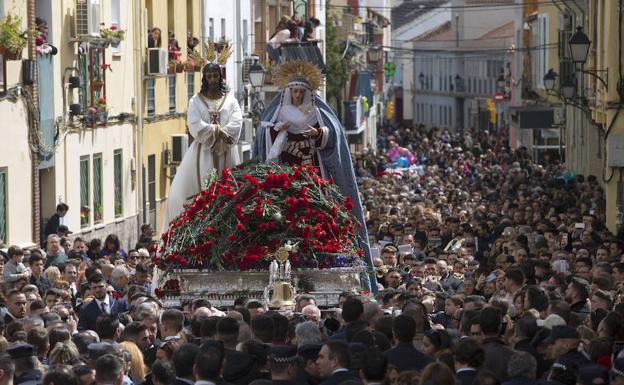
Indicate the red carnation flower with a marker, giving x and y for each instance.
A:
(348, 202)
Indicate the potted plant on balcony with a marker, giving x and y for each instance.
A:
(12, 38)
(189, 66)
(90, 117)
(197, 60)
(102, 112)
(171, 67)
(113, 34)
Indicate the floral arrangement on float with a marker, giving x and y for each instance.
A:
(242, 216)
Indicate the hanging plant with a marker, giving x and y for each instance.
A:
(113, 34)
(12, 38)
(97, 85)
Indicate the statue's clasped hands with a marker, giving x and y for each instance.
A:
(312, 132)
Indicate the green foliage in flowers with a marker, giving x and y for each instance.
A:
(11, 35)
(112, 33)
(242, 216)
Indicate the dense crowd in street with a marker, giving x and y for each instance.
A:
(491, 270)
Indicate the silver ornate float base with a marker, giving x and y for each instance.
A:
(223, 287)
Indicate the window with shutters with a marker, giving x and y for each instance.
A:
(85, 208)
(151, 188)
(98, 206)
(150, 97)
(190, 85)
(539, 51)
(3, 205)
(172, 93)
(118, 181)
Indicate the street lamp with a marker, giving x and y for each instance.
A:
(579, 46)
(459, 83)
(374, 53)
(549, 80)
(256, 75)
(568, 89)
(500, 82)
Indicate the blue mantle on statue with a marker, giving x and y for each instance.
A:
(336, 161)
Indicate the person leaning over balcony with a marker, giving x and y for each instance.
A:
(286, 32)
(154, 39)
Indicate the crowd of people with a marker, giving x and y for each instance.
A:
(491, 270)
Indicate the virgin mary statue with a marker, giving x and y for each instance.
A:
(299, 128)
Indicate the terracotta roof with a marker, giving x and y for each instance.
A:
(441, 32)
(502, 32)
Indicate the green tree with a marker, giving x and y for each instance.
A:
(336, 66)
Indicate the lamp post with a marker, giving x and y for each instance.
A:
(579, 46)
(568, 89)
(256, 80)
(374, 53)
(459, 83)
(256, 75)
(459, 87)
(500, 82)
(549, 80)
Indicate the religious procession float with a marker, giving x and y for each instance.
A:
(263, 231)
(288, 222)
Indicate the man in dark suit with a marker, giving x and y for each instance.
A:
(404, 356)
(469, 356)
(16, 306)
(207, 367)
(352, 311)
(333, 363)
(184, 361)
(497, 353)
(374, 367)
(102, 303)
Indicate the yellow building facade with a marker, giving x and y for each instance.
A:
(605, 31)
(165, 100)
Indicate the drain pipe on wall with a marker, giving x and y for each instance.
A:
(138, 104)
(34, 91)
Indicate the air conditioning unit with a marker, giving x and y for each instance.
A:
(87, 18)
(157, 61)
(179, 145)
(565, 21)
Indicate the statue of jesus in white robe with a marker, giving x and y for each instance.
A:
(214, 119)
